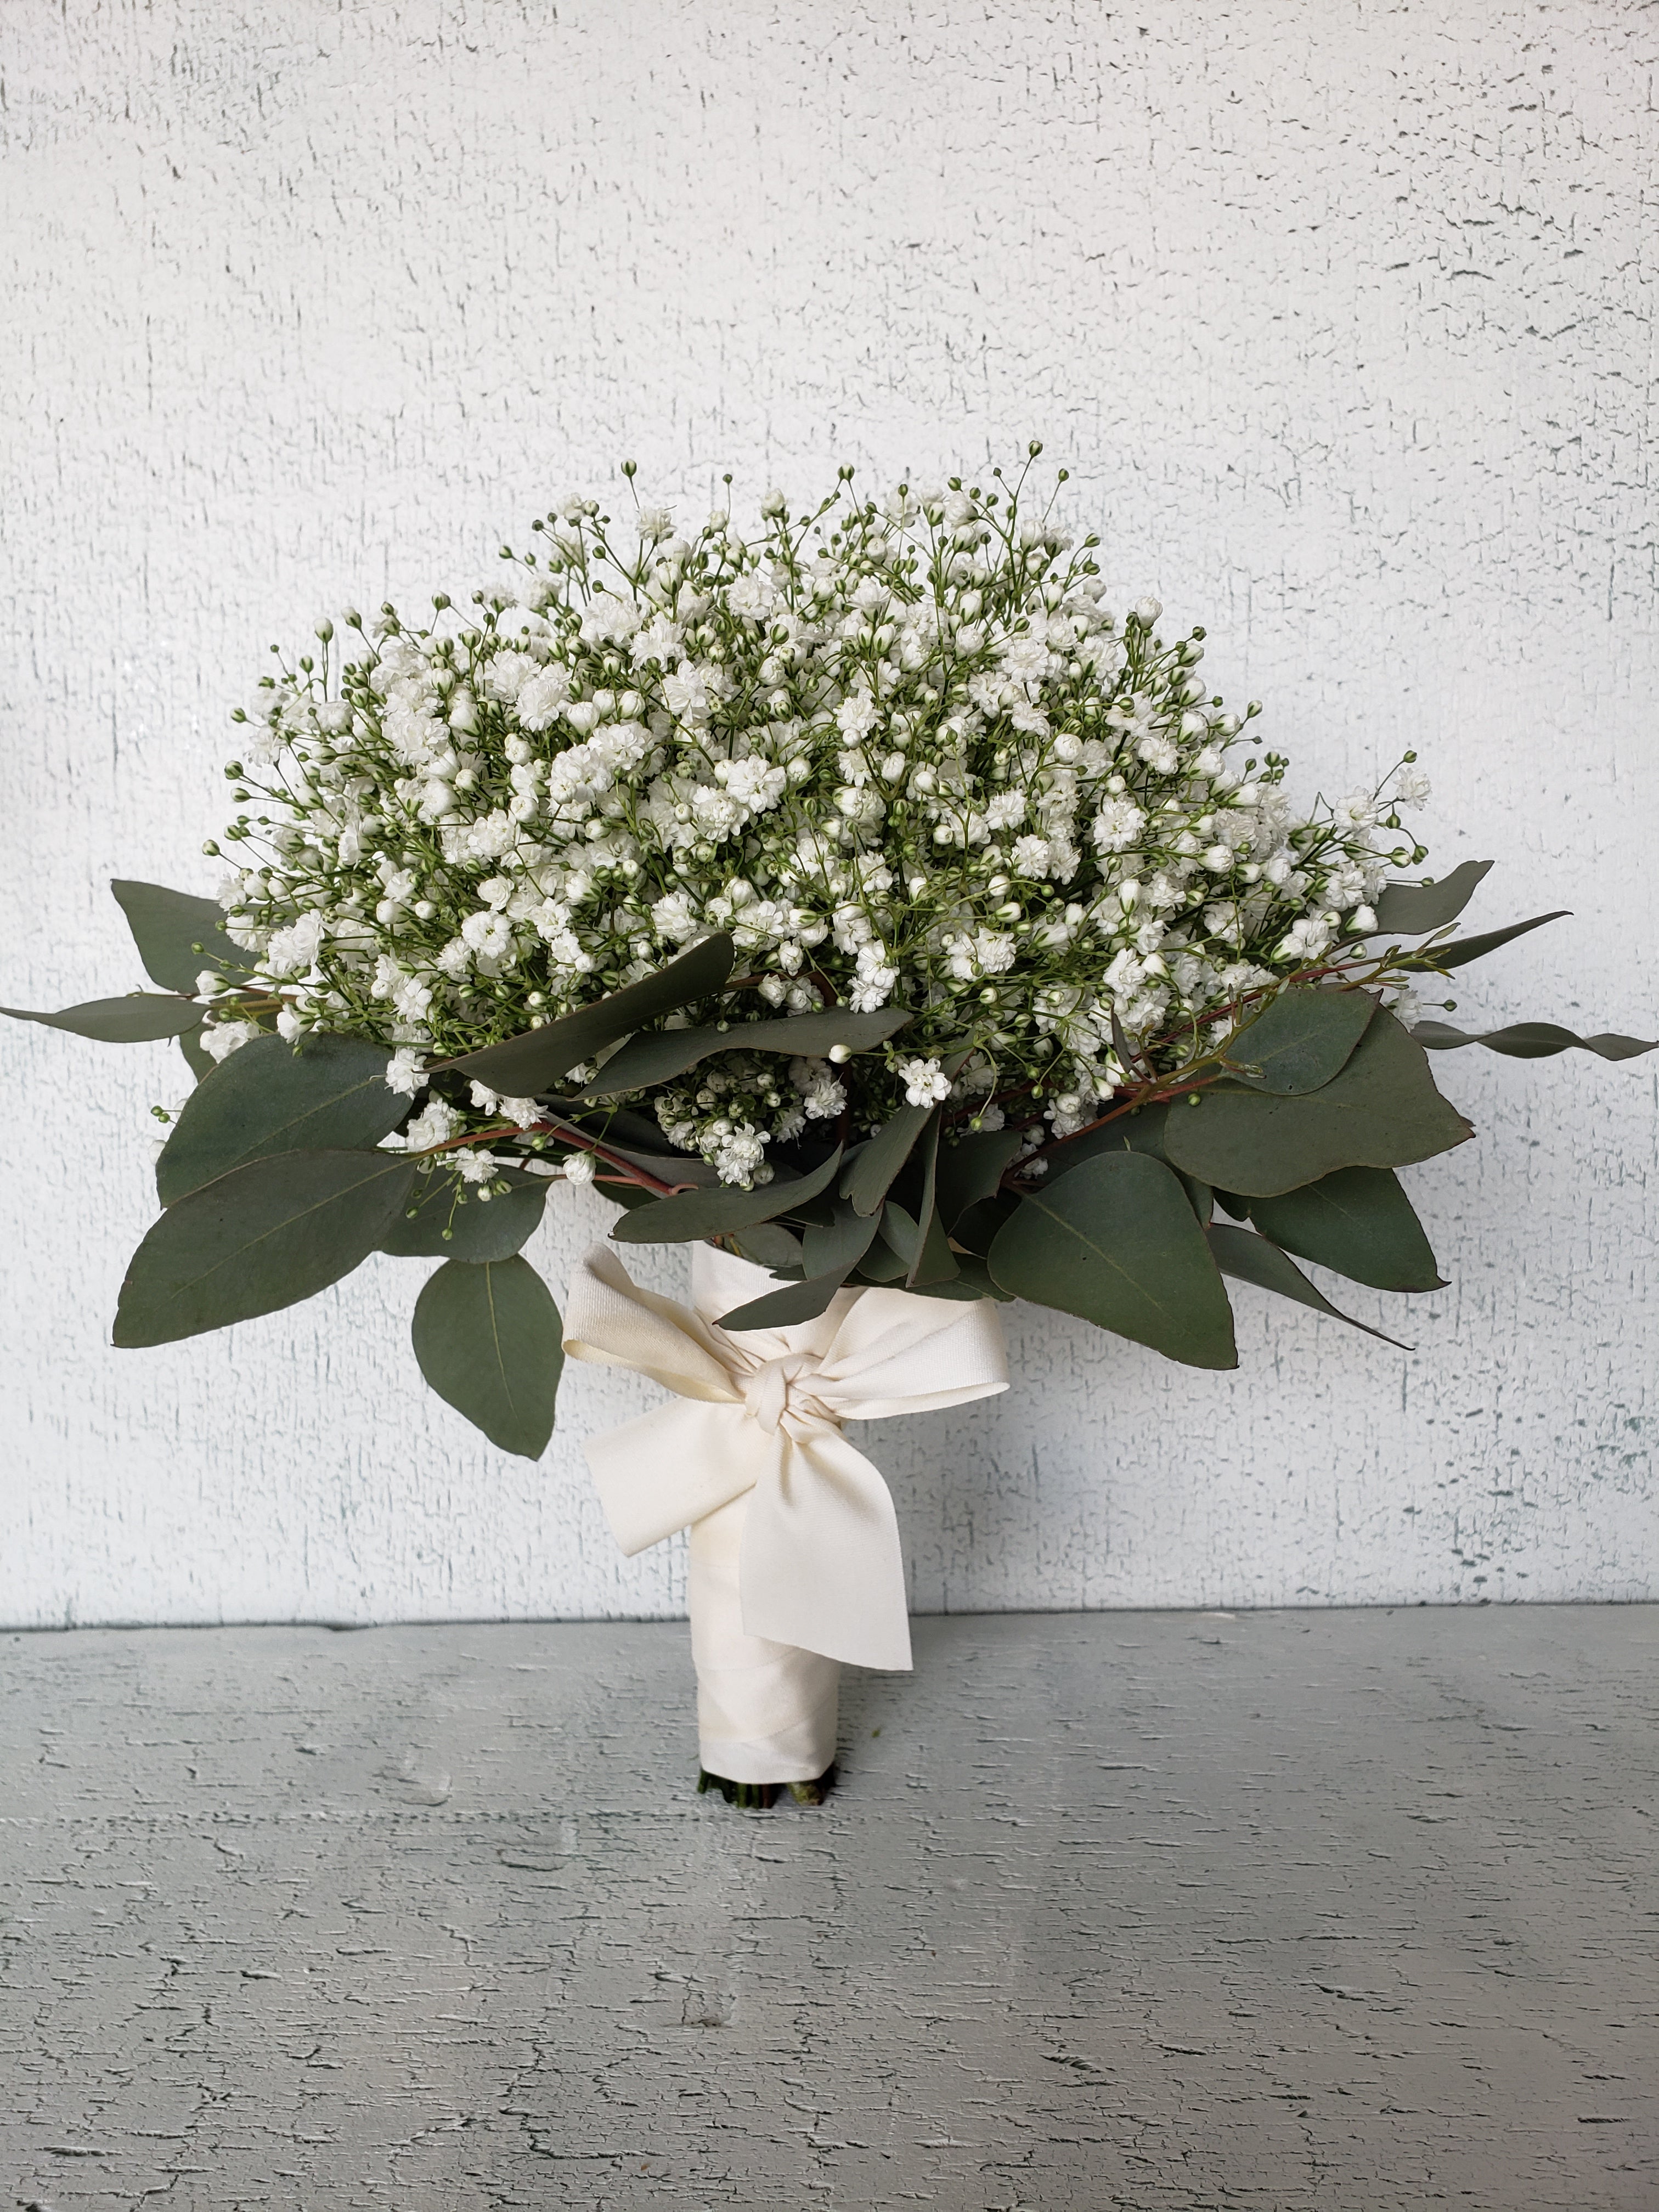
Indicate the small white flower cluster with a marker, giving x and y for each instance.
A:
(903, 751)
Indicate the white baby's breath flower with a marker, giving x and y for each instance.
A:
(925, 1082)
(403, 1071)
(221, 1039)
(908, 759)
(436, 1124)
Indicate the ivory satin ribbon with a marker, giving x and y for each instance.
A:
(758, 1417)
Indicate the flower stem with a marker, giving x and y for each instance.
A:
(761, 1797)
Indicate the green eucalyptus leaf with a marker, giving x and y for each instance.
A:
(524, 1065)
(976, 1229)
(488, 1341)
(871, 1172)
(322, 1094)
(1462, 950)
(669, 1167)
(933, 1259)
(971, 1169)
(479, 1229)
(889, 1258)
(784, 1309)
(1199, 1197)
(1532, 1041)
(1299, 1040)
(768, 1245)
(838, 1246)
(658, 1058)
(901, 1232)
(264, 1237)
(199, 1060)
(1408, 909)
(168, 927)
(973, 1280)
(1139, 1131)
(1357, 1221)
(1256, 1260)
(139, 1019)
(698, 1213)
(1115, 1242)
(1382, 1110)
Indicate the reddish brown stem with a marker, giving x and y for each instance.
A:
(627, 1171)
(1151, 1095)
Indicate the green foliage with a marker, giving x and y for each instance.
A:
(1357, 1221)
(523, 1066)
(139, 1019)
(179, 936)
(1408, 909)
(489, 1342)
(1462, 950)
(976, 1229)
(1140, 1130)
(1382, 1110)
(325, 1093)
(658, 1058)
(1299, 1040)
(973, 1280)
(901, 1232)
(784, 1309)
(1256, 1260)
(667, 1167)
(264, 1237)
(198, 1059)
(871, 1172)
(838, 1245)
(770, 1246)
(1115, 1241)
(479, 1229)
(889, 1257)
(971, 1169)
(696, 1213)
(1532, 1041)
(932, 1261)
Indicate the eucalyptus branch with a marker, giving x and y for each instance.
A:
(627, 1171)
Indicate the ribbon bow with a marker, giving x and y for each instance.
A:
(762, 1410)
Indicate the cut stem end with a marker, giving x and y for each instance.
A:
(761, 1797)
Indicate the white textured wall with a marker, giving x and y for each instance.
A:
(1339, 313)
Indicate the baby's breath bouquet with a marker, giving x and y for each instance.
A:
(867, 895)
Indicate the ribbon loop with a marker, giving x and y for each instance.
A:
(762, 1410)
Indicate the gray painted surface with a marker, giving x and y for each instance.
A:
(1299, 1912)
(1341, 315)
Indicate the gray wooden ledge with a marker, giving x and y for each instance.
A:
(1345, 1910)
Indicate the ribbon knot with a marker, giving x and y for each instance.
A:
(769, 1396)
(763, 1410)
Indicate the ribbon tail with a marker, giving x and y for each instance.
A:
(822, 1565)
(674, 1466)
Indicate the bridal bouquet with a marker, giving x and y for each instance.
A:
(865, 901)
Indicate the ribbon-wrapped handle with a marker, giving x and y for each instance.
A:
(763, 1410)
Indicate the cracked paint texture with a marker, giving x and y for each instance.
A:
(1306, 1911)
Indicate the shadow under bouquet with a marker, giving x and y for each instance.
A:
(864, 901)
